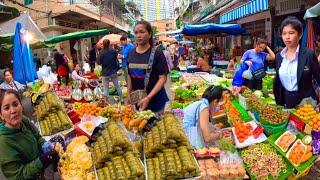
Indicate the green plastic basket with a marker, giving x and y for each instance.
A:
(273, 128)
(302, 167)
(244, 113)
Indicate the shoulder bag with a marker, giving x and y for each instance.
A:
(258, 74)
(137, 95)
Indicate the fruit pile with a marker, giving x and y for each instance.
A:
(242, 131)
(50, 103)
(112, 112)
(89, 109)
(254, 103)
(272, 114)
(306, 113)
(232, 112)
(315, 122)
(111, 142)
(172, 164)
(54, 123)
(135, 121)
(166, 134)
(127, 166)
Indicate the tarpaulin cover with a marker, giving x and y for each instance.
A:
(76, 35)
(23, 66)
(313, 12)
(211, 28)
(7, 29)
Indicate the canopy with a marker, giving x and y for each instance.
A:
(7, 29)
(178, 31)
(113, 38)
(312, 12)
(211, 28)
(76, 35)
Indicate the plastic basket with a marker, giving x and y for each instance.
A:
(272, 129)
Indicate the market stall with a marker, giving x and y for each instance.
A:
(259, 140)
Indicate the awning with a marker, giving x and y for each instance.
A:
(231, 29)
(248, 8)
(76, 35)
(312, 12)
(7, 29)
(7, 13)
(170, 32)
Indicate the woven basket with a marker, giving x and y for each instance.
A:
(137, 96)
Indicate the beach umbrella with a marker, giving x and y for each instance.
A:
(113, 38)
(23, 67)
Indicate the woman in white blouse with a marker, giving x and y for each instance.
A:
(75, 74)
(296, 66)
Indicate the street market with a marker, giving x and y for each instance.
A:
(84, 99)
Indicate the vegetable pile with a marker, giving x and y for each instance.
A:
(182, 93)
(263, 161)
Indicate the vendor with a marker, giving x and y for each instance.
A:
(203, 64)
(196, 117)
(255, 59)
(75, 74)
(296, 67)
(10, 83)
(24, 154)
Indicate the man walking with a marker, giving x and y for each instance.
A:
(126, 49)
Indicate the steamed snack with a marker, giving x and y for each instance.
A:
(296, 152)
(166, 134)
(54, 123)
(111, 142)
(76, 161)
(172, 164)
(50, 103)
(285, 141)
(263, 161)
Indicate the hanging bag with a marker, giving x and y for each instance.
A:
(137, 95)
(258, 74)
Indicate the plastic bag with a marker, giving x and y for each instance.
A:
(308, 100)
(247, 74)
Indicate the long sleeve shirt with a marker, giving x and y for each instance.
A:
(125, 52)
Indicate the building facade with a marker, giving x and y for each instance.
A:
(154, 10)
(57, 17)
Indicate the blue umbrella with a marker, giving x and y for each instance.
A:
(23, 66)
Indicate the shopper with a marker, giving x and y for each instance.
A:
(203, 64)
(76, 74)
(168, 58)
(296, 67)
(62, 66)
(110, 66)
(126, 49)
(255, 59)
(23, 152)
(138, 70)
(10, 83)
(92, 57)
(196, 122)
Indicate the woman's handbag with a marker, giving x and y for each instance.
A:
(137, 95)
(194, 133)
(258, 74)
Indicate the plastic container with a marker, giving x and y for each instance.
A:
(243, 101)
